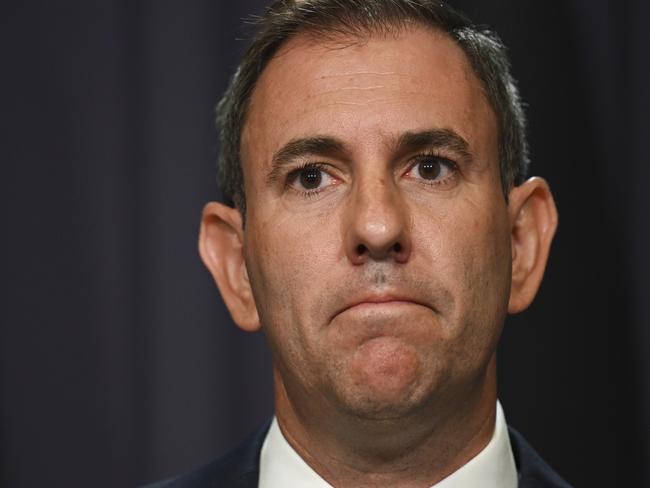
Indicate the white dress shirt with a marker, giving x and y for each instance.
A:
(493, 467)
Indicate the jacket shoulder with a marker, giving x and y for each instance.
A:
(238, 468)
(533, 471)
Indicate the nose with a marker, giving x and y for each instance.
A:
(377, 224)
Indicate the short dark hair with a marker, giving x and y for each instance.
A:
(285, 19)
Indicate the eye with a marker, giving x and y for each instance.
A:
(309, 179)
(432, 169)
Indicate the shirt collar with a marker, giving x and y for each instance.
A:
(493, 467)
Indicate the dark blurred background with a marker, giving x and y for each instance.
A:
(118, 362)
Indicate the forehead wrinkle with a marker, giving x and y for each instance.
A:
(352, 103)
(375, 87)
(353, 80)
(359, 73)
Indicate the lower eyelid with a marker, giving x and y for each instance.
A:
(448, 178)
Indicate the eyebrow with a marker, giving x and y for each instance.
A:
(297, 148)
(331, 147)
(435, 138)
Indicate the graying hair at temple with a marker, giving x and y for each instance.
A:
(332, 19)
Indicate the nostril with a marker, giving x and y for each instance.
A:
(361, 249)
(397, 247)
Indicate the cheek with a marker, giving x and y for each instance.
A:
(470, 249)
(287, 259)
(485, 243)
(486, 286)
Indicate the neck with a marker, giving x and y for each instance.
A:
(416, 449)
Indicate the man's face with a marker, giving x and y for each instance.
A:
(377, 239)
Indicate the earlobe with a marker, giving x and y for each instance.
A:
(221, 249)
(533, 220)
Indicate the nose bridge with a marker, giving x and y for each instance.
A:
(376, 203)
(378, 218)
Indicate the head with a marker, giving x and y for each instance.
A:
(376, 152)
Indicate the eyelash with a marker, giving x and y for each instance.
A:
(448, 163)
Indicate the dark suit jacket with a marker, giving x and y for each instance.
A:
(240, 468)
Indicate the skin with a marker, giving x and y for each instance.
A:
(382, 293)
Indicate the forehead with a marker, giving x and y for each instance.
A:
(366, 90)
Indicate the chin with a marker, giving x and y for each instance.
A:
(382, 408)
(384, 380)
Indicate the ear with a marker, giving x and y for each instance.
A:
(221, 248)
(533, 220)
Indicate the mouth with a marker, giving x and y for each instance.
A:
(380, 301)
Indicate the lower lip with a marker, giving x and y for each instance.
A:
(380, 305)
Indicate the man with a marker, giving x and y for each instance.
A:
(382, 230)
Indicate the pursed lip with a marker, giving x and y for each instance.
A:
(379, 299)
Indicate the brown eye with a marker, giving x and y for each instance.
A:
(310, 178)
(429, 168)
